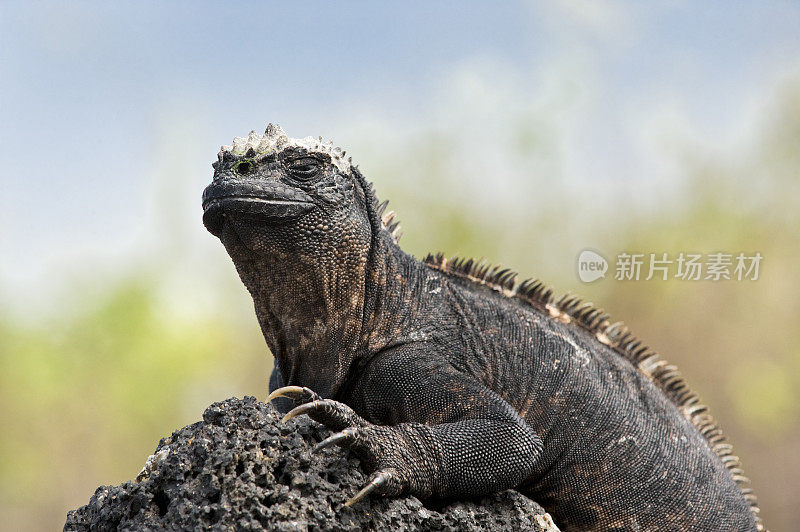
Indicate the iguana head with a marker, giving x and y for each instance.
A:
(300, 223)
(273, 194)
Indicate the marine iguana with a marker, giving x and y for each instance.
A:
(447, 376)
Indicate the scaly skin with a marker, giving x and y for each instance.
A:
(444, 380)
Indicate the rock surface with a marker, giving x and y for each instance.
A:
(241, 468)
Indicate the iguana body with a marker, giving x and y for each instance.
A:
(449, 378)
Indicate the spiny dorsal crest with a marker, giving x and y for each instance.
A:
(275, 139)
(388, 222)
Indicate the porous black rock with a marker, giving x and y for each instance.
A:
(242, 469)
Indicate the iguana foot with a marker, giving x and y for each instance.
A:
(384, 481)
(381, 448)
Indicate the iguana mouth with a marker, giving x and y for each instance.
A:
(266, 201)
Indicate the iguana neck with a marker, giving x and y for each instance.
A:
(393, 295)
(318, 317)
(310, 312)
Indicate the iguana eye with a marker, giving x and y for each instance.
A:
(244, 167)
(304, 168)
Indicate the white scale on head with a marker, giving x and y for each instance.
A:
(275, 139)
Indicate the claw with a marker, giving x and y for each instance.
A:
(377, 482)
(286, 391)
(299, 410)
(332, 440)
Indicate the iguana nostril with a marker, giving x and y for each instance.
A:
(244, 167)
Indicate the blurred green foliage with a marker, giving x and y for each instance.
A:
(89, 388)
(88, 392)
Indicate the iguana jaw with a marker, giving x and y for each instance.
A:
(270, 202)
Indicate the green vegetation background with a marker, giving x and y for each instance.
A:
(89, 385)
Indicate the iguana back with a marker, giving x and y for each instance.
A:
(619, 419)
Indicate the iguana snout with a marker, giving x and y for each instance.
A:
(266, 200)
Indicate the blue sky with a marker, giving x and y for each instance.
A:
(90, 92)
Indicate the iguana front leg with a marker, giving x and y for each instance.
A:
(439, 432)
